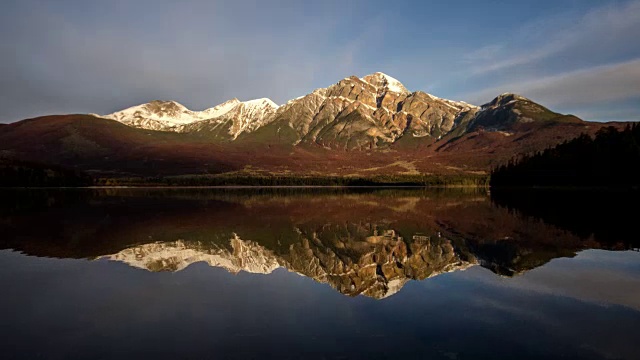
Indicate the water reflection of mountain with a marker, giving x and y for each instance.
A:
(376, 266)
(366, 242)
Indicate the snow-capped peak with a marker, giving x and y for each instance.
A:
(262, 103)
(173, 116)
(166, 111)
(223, 108)
(388, 83)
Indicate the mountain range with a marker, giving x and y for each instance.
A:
(355, 127)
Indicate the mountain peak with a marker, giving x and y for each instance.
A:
(223, 108)
(164, 102)
(505, 99)
(508, 110)
(381, 80)
(262, 102)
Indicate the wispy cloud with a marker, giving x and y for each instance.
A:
(79, 56)
(595, 34)
(57, 63)
(493, 58)
(595, 85)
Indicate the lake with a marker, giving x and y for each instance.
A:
(318, 273)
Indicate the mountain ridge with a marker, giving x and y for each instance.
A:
(357, 127)
(377, 109)
(172, 116)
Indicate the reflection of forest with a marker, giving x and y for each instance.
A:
(366, 242)
(605, 216)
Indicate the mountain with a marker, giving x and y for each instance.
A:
(228, 119)
(108, 147)
(508, 111)
(365, 113)
(355, 113)
(356, 127)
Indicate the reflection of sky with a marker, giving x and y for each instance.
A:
(606, 278)
(101, 308)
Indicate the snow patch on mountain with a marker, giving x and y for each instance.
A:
(382, 81)
(458, 105)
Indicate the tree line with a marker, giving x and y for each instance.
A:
(17, 173)
(299, 180)
(610, 159)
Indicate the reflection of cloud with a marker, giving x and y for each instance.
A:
(595, 276)
(599, 84)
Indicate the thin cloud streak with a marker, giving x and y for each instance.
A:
(601, 84)
(99, 57)
(550, 37)
(58, 65)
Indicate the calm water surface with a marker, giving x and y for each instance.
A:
(345, 274)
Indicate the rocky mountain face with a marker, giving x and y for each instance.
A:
(356, 113)
(368, 112)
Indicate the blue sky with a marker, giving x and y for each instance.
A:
(64, 56)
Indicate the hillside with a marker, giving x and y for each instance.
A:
(16, 173)
(612, 158)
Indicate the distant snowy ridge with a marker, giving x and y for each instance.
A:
(173, 116)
